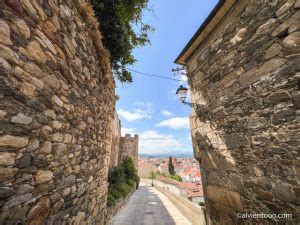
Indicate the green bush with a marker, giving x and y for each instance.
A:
(176, 177)
(122, 179)
(124, 189)
(116, 175)
(111, 201)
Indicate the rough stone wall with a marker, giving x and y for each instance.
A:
(129, 146)
(57, 102)
(246, 135)
(116, 136)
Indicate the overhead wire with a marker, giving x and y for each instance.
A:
(153, 75)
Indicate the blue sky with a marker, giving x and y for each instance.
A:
(149, 106)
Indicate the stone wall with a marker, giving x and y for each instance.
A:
(245, 75)
(115, 142)
(194, 213)
(129, 146)
(57, 102)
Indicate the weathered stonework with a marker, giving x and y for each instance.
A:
(129, 147)
(57, 104)
(245, 75)
(116, 137)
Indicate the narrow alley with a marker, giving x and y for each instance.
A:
(149, 206)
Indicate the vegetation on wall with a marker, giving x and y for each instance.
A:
(123, 30)
(122, 179)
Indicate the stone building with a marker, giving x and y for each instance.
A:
(57, 103)
(129, 147)
(243, 71)
(115, 142)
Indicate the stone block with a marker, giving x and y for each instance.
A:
(57, 101)
(234, 141)
(284, 193)
(43, 176)
(283, 27)
(7, 158)
(24, 188)
(52, 82)
(248, 77)
(20, 27)
(283, 116)
(35, 52)
(28, 89)
(224, 197)
(285, 7)
(17, 200)
(21, 118)
(279, 96)
(291, 41)
(270, 66)
(5, 33)
(272, 51)
(210, 160)
(13, 141)
(60, 149)
(6, 192)
(8, 54)
(227, 164)
(39, 212)
(239, 36)
(66, 182)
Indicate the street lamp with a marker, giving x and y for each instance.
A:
(182, 93)
(152, 175)
(200, 109)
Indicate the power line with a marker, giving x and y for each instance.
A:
(152, 75)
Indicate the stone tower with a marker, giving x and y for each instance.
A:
(129, 147)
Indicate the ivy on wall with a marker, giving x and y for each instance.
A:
(120, 22)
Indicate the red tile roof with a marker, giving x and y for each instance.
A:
(193, 190)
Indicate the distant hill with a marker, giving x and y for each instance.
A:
(164, 155)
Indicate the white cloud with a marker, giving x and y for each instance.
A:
(175, 123)
(132, 115)
(166, 113)
(143, 112)
(151, 141)
(125, 130)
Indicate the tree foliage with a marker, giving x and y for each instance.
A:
(123, 30)
(171, 166)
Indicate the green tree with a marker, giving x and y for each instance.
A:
(152, 175)
(171, 166)
(123, 30)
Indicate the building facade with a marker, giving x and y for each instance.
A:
(243, 72)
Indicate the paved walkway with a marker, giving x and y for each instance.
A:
(148, 206)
